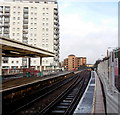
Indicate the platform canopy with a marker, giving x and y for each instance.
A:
(13, 48)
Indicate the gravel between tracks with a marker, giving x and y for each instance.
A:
(43, 102)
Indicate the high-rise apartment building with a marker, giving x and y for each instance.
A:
(73, 62)
(34, 22)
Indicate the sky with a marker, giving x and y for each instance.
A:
(88, 29)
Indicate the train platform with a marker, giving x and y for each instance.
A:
(19, 82)
(92, 99)
(98, 101)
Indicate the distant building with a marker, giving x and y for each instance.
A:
(89, 65)
(34, 22)
(73, 62)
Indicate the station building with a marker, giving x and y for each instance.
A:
(73, 62)
(34, 22)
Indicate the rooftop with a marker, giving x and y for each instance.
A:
(71, 55)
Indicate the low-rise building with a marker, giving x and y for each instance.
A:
(73, 62)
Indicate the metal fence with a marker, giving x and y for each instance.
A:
(109, 73)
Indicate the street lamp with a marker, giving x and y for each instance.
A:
(103, 56)
(110, 48)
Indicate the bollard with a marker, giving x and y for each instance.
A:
(41, 73)
(28, 74)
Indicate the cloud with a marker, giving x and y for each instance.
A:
(72, 1)
(89, 38)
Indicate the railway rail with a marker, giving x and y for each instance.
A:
(66, 103)
(12, 106)
(37, 102)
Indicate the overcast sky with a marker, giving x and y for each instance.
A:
(87, 28)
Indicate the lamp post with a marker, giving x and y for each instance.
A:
(113, 64)
(103, 56)
(109, 50)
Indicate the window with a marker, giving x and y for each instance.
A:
(46, 24)
(43, 14)
(47, 35)
(43, 19)
(18, 18)
(46, 45)
(46, 29)
(13, 28)
(34, 61)
(13, 34)
(14, 12)
(42, 45)
(17, 61)
(35, 24)
(35, 13)
(43, 29)
(35, 18)
(1, 18)
(46, 8)
(43, 24)
(34, 34)
(5, 61)
(18, 29)
(46, 18)
(46, 40)
(12, 61)
(18, 34)
(13, 18)
(43, 9)
(18, 13)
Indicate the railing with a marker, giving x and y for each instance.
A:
(25, 72)
(108, 74)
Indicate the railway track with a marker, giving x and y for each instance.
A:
(68, 100)
(44, 98)
(15, 107)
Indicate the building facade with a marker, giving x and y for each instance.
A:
(73, 62)
(34, 22)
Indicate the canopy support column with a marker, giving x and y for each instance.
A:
(41, 66)
(29, 63)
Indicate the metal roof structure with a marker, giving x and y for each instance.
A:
(12, 48)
